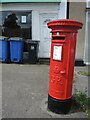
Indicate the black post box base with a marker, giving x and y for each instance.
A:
(59, 106)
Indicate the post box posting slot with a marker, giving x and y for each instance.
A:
(59, 37)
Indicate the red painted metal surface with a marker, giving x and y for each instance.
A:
(63, 46)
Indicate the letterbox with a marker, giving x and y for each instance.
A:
(63, 46)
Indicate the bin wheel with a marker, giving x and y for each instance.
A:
(20, 62)
(7, 61)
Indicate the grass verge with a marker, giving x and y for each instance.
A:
(82, 99)
(86, 73)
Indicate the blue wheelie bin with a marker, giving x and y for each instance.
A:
(16, 49)
(3, 49)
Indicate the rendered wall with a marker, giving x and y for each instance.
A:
(77, 12)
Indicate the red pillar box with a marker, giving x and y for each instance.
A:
(64, 33)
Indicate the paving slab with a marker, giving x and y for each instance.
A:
(81, 82)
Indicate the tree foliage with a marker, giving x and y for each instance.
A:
(10, 21)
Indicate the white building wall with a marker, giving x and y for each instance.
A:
(63, 10)
(31, 6)
(0, 7)
(0, 18)
(35, 25)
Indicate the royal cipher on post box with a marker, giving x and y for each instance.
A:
(63, 46)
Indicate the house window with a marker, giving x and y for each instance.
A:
(23, 20)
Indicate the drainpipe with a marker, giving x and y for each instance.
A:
(68, 9)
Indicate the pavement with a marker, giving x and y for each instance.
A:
(25, 91)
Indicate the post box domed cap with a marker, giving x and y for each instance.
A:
(65, 22)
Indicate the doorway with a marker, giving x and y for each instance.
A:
(45, 35)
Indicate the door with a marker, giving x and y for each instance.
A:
(45, 35)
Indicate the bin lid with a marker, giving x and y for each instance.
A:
(16, 38)
(3, 38)
(33, 41)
